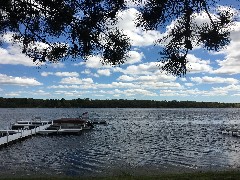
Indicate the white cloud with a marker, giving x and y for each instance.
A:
(231, 63)
(104, 72)
(189, 84)
(228, 88)
(86, 71)
(126, 78)
(45, 74)
(12, 55)
(136, 92)
(123, 85)
(138, 36)
(160, 85)
(73, 93)
(20, 81)
(134, 57)
(75, 80)
(145, 68)
(196, 65)
(72, 74)
(94, 62)
(129, 92)
(40, 93)
(214, 80)
(12, 94)
(193, 93)
(61, 74)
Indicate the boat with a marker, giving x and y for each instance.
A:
(71, 123)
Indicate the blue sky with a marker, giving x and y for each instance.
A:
(212, 76)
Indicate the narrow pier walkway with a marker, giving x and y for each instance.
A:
(17, 135)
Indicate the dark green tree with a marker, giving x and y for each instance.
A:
(53, 30)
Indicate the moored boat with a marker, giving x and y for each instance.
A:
(71, 123)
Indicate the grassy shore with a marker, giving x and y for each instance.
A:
(165, 176)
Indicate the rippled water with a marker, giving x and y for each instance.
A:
(163, 139)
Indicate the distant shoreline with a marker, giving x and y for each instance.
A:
(114, 103)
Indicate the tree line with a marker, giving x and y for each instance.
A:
(113, 103)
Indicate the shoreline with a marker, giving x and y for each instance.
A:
(143, 172)
(227, 174)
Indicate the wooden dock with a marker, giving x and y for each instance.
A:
(11, 136)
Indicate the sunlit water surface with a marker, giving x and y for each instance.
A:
(160, 139)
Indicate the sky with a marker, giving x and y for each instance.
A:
(212, 76)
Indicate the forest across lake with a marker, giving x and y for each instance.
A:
(113, 103)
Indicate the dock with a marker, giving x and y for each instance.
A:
(64, 126)
(10, 136)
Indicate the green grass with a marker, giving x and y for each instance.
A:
(229, 175)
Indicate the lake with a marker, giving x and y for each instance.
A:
(134, 141)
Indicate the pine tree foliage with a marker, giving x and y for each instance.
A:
(54, 30)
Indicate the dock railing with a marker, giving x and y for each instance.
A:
(5, 140)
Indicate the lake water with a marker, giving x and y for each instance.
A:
(134, 141)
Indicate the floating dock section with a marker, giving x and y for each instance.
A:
(10, 136)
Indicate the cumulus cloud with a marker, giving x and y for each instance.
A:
(138, 36)
(228, 88)
(94, 62)
(126, 78)
(12, 55)
(136, 92)
(104, 72)
(160, 85)
(75, 80)
(189, 84)
(86, 71)
(214, 80)
(12, 94)
(190, 93)
(134, 57)
(19, 81)
(155, 77)
(231, 63)
(197, 65)
(128, 92)
(61, 74)
(144, 68)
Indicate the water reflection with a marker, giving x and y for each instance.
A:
(134, 138)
